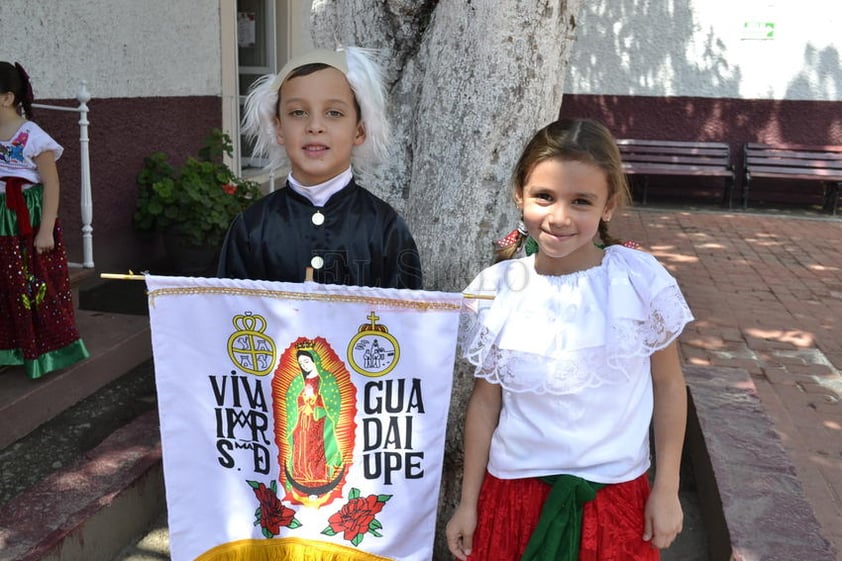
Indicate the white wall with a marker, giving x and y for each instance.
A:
(132, 48)
(700, 48)
(123, 48)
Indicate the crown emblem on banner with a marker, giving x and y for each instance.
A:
(306, 345)
(249, 347)
(373, 351)
(249, 322)
(372, 325)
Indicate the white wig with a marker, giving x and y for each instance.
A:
(365, 77)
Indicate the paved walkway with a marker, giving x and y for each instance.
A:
(766, 292)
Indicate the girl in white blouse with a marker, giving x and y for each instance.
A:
(575, 352)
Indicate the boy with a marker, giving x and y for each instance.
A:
(322, 113)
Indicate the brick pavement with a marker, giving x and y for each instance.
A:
(766, 291)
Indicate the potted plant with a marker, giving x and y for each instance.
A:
(192, 205)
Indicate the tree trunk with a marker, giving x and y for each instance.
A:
(470, 81)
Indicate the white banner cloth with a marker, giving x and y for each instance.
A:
(301, 421)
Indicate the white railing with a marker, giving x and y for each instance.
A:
(86, 201)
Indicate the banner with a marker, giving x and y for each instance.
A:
(301, 421)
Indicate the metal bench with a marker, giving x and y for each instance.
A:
(796, 162)
(677, 158)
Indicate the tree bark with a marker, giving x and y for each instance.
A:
(470, 81)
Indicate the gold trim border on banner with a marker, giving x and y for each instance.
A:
(133, 276)
(287, 295)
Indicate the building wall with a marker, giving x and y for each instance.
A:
(123, 48)
(696, 70)
(685, 69)
(153, 71)
(709, 48)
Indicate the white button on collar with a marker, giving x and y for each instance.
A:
(318, 218)
(317, 262)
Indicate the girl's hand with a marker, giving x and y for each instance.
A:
(460, 532)
(44, 241)
(46, 164)
(664, 518)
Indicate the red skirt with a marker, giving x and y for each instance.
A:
(37, 321)
(612, 524)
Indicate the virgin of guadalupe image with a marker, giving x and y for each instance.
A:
(315, 406)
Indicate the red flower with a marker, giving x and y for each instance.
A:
(229, 188)
(355, 516)
(273, 513)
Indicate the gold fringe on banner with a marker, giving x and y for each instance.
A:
(286, 549)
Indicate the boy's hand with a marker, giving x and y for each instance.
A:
(664, 518)
(460, 532)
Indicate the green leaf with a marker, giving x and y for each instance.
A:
(164, 188)
(354, 494)
(383, 498)
(294, 524)
(357, 539)
(253, 484)
(375, 525)
(328, 531)
(190, 196)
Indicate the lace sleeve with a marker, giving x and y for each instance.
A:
(663, 311)
(668, 316)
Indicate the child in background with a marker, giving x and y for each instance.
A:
(324, 111)
(575, 354)
(37, 324)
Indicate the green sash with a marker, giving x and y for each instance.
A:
(558, 533)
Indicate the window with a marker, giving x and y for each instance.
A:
(256, 56)
(259, 36)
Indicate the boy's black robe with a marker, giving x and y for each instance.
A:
(362, 241)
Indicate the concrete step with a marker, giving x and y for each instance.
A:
(116, 342)
(86, 499)
(90, 509)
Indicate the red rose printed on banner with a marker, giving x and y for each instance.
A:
(357, 517)
(272, 515)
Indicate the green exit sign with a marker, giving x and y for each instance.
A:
(758, 30)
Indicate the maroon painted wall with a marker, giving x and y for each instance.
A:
(122, 132)
(735, 121)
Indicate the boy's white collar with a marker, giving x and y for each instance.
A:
(321, 193)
